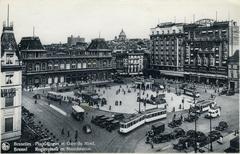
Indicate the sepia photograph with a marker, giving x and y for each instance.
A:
(119, 76)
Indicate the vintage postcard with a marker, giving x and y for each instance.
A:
(119, 76)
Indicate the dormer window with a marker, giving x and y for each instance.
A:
(9, 58)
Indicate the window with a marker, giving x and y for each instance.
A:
(50, 66)
(212, 60)
(9, 58)
(43, 66)
(205, 61)
(8, 101)
(8, 124)
(9, 79)
(56, 66)
(199, 60)
(37, 67)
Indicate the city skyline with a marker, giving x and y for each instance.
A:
(91, 18)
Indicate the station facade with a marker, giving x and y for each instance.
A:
(45, 68)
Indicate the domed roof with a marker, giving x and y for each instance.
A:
(122, 33)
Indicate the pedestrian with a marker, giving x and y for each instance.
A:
(35, 101)
(174, 116)
(76, 134)
(62, 132)
(110, 107)
(120, 103)
(68, 133)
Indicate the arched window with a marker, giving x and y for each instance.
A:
(104, 63)
(74, 64)
(205, 61)
(56, 65)
(212, 60)
(43, 66)
(37, 67)
(50, 66)
(29, 67)
(199, 60)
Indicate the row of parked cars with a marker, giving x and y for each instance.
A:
(110, 123)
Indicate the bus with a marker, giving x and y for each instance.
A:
(204, 105)
(130, 123)
(190, 92)
(54, 96)
(77, 112)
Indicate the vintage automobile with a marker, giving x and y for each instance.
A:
(113, 125)
(182, 144)
(230, 93)
(175, 123)
(197, 137)
(222, 125)
(178, 132)
(191, 117)
(118, 116)
(96, 119)
(156, 129)
(214, 135)
(37, 96)
(223, 91)
(161, 138)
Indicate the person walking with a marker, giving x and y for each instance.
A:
(35, 101)
(68, 133)
(62, 132)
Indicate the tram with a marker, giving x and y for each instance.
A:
(54, 96)
(204, 105)
(137, 120)
(191, 92)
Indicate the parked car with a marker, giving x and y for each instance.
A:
(178, 132)
(87, 129)
(230, 93)
(214, 135)
(162, 138)
(222, 126)
(113, 125)
(191, 117)
(175, 123)
(37, 96)
(118, 116)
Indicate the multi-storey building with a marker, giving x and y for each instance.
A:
(167, 50)
(131, 63)
(208, 44)
(233, 72)
(11, 86)
(46, 68)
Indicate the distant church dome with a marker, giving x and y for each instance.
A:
(122, 36)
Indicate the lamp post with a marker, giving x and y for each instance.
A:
(195, 122)
(211, 146)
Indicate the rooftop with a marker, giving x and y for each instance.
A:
(8, 41)
(98, 44)
(234, 58)
(30, 43)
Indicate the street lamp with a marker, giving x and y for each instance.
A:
(195, 121)
(211, 146)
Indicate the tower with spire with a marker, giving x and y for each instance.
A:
(11, 84)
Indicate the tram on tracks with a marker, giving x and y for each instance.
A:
(130, 123)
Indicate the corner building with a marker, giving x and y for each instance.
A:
(167, 50)
(11, 86)
(208, 45)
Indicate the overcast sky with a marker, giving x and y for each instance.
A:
(55, 20)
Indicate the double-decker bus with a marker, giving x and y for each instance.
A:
(130, 123)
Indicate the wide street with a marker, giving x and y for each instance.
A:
(55, 117)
